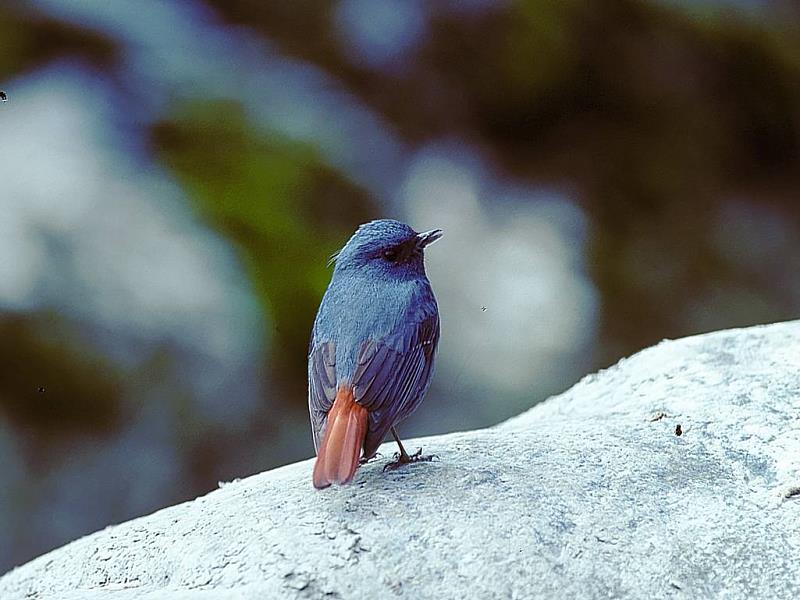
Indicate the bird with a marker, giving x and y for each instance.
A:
(372, 348)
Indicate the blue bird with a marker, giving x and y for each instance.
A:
(372, 347)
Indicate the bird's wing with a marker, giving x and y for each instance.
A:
(392, 375)
(321, 386)
(390, 378)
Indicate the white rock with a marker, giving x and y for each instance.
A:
(588, 495)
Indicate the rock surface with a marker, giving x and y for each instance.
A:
(588, 495)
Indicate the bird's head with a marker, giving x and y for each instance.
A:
(387, 247)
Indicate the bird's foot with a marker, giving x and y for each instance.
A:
(401, 458)
(365, 459)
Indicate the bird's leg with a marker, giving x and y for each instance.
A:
(403, 457)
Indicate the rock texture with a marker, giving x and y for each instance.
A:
(591, 494)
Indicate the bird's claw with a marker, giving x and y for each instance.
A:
(404, 459)
(365, 459)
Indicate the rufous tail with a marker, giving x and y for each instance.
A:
(340, 450)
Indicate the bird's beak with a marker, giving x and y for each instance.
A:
(428, 237)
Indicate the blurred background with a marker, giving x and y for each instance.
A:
(175, 174)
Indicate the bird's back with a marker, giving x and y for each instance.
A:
(396, 321)
(356, 309)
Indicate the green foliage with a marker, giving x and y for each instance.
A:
(284, 210)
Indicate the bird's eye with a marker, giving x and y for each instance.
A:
(391, 254)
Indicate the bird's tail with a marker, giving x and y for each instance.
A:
(340, 449)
